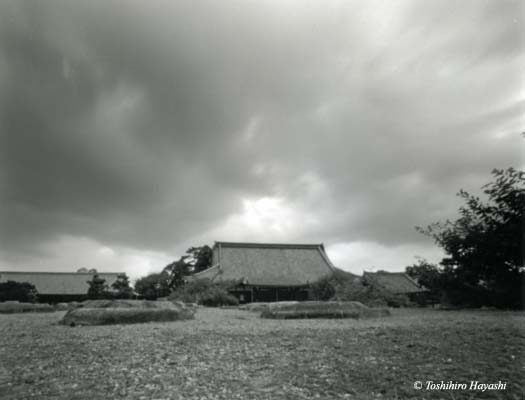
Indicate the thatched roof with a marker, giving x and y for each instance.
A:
(341, 273)
(57, 283)
(395, 282)
(268, 264)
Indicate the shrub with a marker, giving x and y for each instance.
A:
(345, 287)
(23, 292)
(218, 297)
(324, 289)
(332, 286)
(205, 292)
(15, 307)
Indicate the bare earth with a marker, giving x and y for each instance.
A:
(232, 354)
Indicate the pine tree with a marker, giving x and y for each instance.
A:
(98, 289)
(122, 287)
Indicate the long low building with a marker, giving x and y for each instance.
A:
(56, 287)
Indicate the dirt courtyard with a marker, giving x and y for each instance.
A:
(233, 354)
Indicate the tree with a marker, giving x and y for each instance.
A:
(196, 259)
(173, 275)
(18, 291)
(122, 287)
(201, 257)
(484, 263)
(153, 286)
(98, 289)
(177, 270)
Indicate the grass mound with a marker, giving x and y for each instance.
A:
(11, 307)
(261, 306)
(105, 312)
(133, 315)
(206, 292)
(323, 309)
(130, 304)
(130, 315)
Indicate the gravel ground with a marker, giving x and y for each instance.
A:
(232, 354)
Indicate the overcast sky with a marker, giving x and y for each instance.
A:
(131, 130)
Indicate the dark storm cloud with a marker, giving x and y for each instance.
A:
(145, 125)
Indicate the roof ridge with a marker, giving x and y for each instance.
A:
(61, 273)
(274, 245)
(386, 272)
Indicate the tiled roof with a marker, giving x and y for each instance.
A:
(268, 264)
(57, 283)
(396, 282)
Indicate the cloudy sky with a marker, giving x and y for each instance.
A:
(130, 130)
